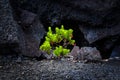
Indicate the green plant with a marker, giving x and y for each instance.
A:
(60, 51)
(58, 41)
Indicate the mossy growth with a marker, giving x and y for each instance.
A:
(56, 43)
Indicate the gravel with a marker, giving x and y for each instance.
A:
(32, 69)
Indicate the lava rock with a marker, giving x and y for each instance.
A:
(85, 53)
(27, 18)
(95, 34)
(85, 11)
(75, 52)
(9, 29)
(89, 53)
(33, 33)
(94, 20)
(92, 12)
(59, 70)
(21, 39)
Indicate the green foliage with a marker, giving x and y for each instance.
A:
(60, 51)
(46, 47)
(58, 41)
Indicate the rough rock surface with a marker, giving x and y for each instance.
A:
(95, 34)
(96, 19)
(9, 30)
(85, 53)
(24, 38)
(59, 70)
(89, 53)
(75, 53)
(33, 33)
(92, 12)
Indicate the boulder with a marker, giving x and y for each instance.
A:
(95, 19)
(9, 29)
(85, 53)
(91, 20)
(83, 11)
(22, 39)
(33, 32)
(95, 34)
(89, 53)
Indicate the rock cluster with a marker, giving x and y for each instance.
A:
(85, 53)
(95, 23)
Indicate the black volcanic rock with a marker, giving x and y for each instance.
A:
(91, 20)
(33, 33)
(21, 39)
(9, 30)
(59, 70)
(90, 12)
(96, 19)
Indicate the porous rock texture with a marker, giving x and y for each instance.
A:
(89, 53)
(59, 70)
(9, 30)
(23, 38)
(92, 20)
(85, 53)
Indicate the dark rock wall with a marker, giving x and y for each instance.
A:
(94, 21)
(21, 35)
(89, 11)
(8, 28)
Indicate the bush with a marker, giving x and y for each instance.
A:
(57, 42)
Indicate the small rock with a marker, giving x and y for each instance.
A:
(45, 55)
(89, 53)
(85, 53)
(75, 52)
